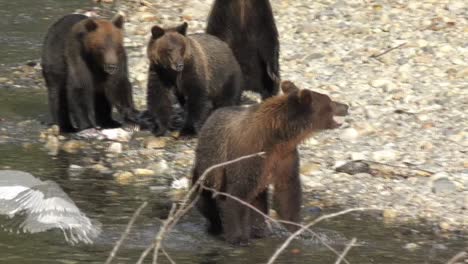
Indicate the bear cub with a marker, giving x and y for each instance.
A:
(84, 65)
(276, 126)
(199, 69)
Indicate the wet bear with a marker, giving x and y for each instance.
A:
(84, 65)
(276, 127)
(199, 69)
(248, 26)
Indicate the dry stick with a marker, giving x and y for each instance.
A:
(345, 251)
(161, 232)
(167, 256)
(215, 193)
(298, 232)
(124, 235)
(174, 217)
(387, 51)
(458, 257)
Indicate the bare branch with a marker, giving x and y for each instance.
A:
(167, 256)
(125, 234)
(176, 215)
(346, 250)
(387, 51)
(272, 220)
(458, 257)
(298, 232)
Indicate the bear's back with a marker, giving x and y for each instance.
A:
(215, 62)
(54, 44)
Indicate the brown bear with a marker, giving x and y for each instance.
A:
(199, 69)
(276, 126)
(84, 65)
(248, 26)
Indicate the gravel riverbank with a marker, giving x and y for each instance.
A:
(402, 66)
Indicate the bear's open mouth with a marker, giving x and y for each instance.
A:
(111, 68)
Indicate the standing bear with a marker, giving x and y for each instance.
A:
(199, 69)
(84, 65)
(275, 127)
(248, 26)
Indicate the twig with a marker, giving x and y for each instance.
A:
(345, 251)
(458, 257)
(160, 235)
(278, 222)
(387, 51)
(176, 215)
(298, 232)
(125, 234)
(167, 256)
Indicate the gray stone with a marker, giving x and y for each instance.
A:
(443, 186)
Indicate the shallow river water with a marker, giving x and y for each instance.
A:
(23, 114)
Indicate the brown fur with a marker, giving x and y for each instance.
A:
(276, 127)
(199, 69)
(85, 68)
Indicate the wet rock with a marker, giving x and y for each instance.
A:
(54, 130)
(156, 142)
(445, 226)
(182, 183)
(100, 168)
(124, 177)
(52, 145)
(442, 186)
(390, 214)
(73, 146)
(75, 170)
(74, 167)
(143, 172)
(412, 246)
(115, 147)
(159, 167)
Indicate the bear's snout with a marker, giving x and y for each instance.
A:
(111, 68)
(340, 109)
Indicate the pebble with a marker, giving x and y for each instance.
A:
(349, 134)
(156, 142)
(443, 186)
(143, 172)
(52, 145)
(160, 167)
(115, 147)
(390, 214)
(100, 168)
(73, 146)
(123, 178)
(412, 246)
(385, 155)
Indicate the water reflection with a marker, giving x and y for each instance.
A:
(45, 206)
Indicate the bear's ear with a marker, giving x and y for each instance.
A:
(157, 32)
(182, 29)
(90, 25)
(305, 97)
(118, 21)
(288, 87)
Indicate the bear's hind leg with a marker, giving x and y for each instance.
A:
(57, 96)
(257, 221)
(209, 209)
